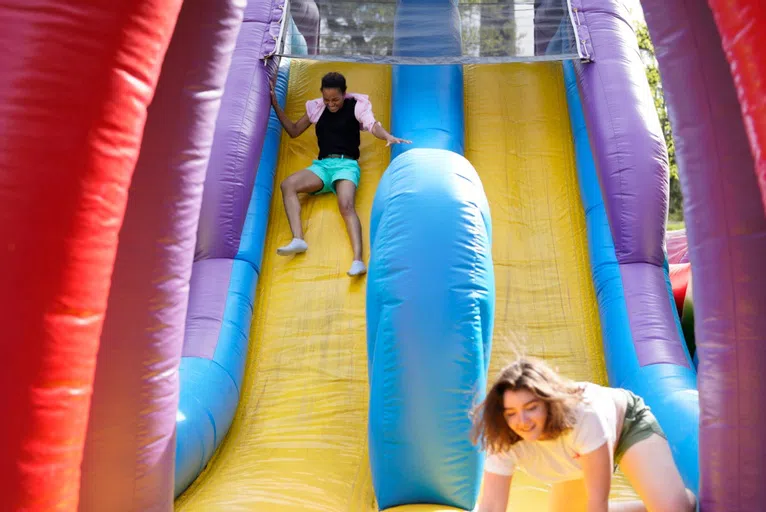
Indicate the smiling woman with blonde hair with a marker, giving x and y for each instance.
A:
(572, 435)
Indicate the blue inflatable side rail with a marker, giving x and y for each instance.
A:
(210, 387)
(670, 390)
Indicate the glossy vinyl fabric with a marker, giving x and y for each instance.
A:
(519, 140)
(239, 134)
(299, 438)
(631, 162)
(71, 135)
(76, 77)
(298, 441)
(222, 290)
(430, 290)
(129, 453)
(726, 230)
(740, 25)
(430, 310)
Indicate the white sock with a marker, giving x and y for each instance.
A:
(295, 246)
(357, 268)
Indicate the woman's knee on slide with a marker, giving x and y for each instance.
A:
(674, 501)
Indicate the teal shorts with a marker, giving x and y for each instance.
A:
(331, 170)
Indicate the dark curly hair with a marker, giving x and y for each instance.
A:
(334, 80)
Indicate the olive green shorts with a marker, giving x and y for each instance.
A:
(639, 424)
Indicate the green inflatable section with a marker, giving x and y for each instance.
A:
(687, 318)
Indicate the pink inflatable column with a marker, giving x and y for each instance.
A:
(129, 453)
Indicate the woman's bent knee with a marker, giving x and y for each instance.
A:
(676, 502)
(691, 500)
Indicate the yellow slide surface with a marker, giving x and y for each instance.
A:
(299, 438)
(519, 140)
(298, 442)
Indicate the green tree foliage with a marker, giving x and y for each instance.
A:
(355, 28)
(653, 76)
(498, 28)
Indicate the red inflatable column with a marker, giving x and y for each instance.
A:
(741, 25)
(75, 80)
(128, 461)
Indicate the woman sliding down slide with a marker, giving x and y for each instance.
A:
(573, 435)
(339, 116)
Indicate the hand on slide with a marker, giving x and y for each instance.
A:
(396, 140)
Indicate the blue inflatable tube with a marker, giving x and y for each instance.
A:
(670, 390)
(430, 288)
(427, 101)
(210, 388)
(430, 310)
(618, 340)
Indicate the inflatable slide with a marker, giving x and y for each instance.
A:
(320, 403)
(161, 355)
(299, 439)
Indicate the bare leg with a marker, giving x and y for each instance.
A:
(301, 181)
(346, 192)
(651, 470)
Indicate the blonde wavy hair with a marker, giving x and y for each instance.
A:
(559, 394)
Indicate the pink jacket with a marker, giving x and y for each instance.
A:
(363, 110)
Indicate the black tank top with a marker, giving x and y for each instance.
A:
(338, 132)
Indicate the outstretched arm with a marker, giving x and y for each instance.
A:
(597, 471)
(367, 122)
(494, 495)
(293, 129)
(382, 134)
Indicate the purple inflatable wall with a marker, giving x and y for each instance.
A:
(223, 276)
(239, 134)
(726, 230)
(128, 462)
(631, 159)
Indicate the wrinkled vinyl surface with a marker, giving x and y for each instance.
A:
(77, 77)
(727, 234)
(740, 23)
(299, 439)
(518, 139)
(430, 305)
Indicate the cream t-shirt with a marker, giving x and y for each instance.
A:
(557, 460)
